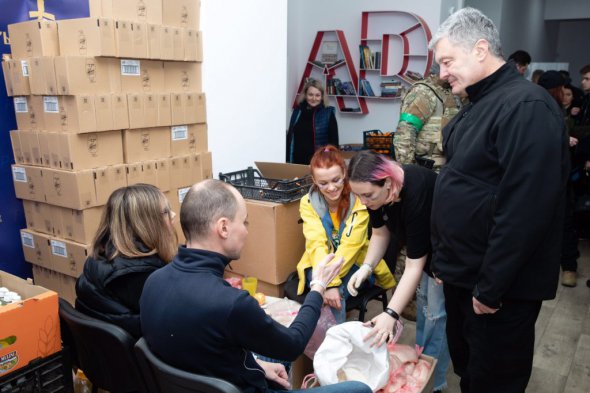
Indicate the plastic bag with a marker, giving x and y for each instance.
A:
(344, 356)
(325, 322)
(408, 373)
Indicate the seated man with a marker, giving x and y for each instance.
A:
(193, 320)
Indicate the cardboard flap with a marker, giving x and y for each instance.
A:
(277, 170)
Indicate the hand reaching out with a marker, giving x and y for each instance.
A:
(382, 331)
(275, 372)
(358, 278)
(327, 269)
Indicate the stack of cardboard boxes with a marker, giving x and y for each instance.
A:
(102, 102)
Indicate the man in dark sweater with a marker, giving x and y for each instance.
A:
(497, 208)
(194, 320)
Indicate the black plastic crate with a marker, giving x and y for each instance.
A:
(50, 374)
(379, 142)
(252, 185)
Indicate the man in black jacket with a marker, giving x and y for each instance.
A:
(194, 320)
(497, 208)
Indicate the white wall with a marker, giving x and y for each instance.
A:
(244, 74)
(306, 17)
(567, 9)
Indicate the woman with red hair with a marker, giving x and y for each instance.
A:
(335, 221)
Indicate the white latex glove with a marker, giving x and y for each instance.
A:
(358, 278)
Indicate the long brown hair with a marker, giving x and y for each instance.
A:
(134, 215)
(327, 157)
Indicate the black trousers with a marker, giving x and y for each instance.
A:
(490, 352)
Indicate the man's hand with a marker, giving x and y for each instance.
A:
(358, 278)
(275, 372)
(332, 298)
(382, 329)
(480, 308)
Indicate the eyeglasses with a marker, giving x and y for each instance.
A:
(336, 183)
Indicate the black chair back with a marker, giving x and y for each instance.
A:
(103, 350)
(163, 378)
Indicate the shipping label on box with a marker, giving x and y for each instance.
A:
(86, 151)
(30, 327)
(68, 257)
(180, 76)
(36, 247)
(28, 183)
(21, 112)
(33, 38)
(142, 76)
(146, 144)
(107, 180)
(188, 139)
(87, 37)
(181, 13)
(19, 71)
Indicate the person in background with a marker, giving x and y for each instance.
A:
(194, 320)
(554, 83)
(335, 221)
(521, 59)
(535, 76)
(497, 203)
(584, 116)
(399, 198)
(427, 107)
(135, 237)
(572, 100)
(312, 125)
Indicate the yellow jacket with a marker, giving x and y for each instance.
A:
(353, 242)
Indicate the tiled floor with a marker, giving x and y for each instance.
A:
(562, 348)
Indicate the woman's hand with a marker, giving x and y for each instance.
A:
(359, 277)
(275, 372)
(382, 331)
(332, 298)
(325, 271)
(573, 141)
(575, 110)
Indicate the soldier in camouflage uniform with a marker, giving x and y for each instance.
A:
(427, 107)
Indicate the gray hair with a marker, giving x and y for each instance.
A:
(465, 27)
(205, 203)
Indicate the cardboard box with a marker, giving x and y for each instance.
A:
(16, 147)
(103, 112)
(81, 225)
(46, 150)
(188, 139)
(33, 38)
(142, 76)
(39, 216)
(178, 43)
(16, 77)
(181, 172)
(70, 114)
(164, 109)
(146, 144)
(206, 165)
(274, 227)
(134, 174)
(140, 40)
(29, 328)
(64, 285)
(135, 102)
(154, 37)
(53, 140)
(175, 197)
(120, 111)
(150, 110)
(30, 146)
(36, 118)
(68, 257)
(193, 45)
(36, 247)
(28, 182)
(75, 190)
(182, 76)
(28, 111)
(86, 151)
(124, 38)
(134, 10)
(107, 180)
(42, 78)
(149, 172)
(181, 13)
(163, 174)
(177, 105)
(195, 109)
(87, 75)
(87, 37)
(166, 43)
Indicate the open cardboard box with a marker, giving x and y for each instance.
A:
(29, 329)
(275, 241)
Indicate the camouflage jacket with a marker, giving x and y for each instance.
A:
(425, 110)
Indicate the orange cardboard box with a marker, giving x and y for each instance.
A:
(33, 38)
(29, 329)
